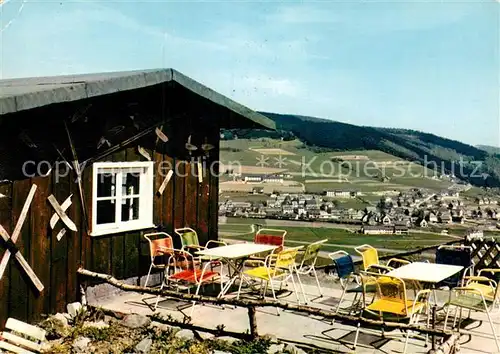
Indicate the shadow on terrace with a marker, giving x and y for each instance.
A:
(358, 303)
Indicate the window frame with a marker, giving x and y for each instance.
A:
(146, 193)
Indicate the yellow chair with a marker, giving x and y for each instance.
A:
(480, 294)
(391, 303)
(372, 263)
(276, 267)
(485, 284)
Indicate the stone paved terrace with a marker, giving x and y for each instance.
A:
(307, 329)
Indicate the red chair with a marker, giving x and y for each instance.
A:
(158, 251)
(272, 237)
(188, 272)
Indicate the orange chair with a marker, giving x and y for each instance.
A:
(159, 249)
(188, 272)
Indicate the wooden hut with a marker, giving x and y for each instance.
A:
(99, 148)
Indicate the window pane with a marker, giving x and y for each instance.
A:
(105, 211)
(130, 183)
(130, 209)
(106, 184)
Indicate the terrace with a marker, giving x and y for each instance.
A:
(310, 326)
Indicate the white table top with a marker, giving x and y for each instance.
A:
(237, 250)
(425, 272)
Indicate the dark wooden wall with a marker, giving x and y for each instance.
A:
(185, 202)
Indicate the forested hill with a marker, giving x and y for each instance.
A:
(478, 166)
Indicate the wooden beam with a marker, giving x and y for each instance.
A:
(31, 274)
(60, 212)
(165, 182)
(259, 303)
(17, 230)
(64, 206)
(78, 171)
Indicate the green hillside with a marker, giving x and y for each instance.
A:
(466, 162)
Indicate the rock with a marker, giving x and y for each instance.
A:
(292, 349)
(56, 326)
(205, 336)
(144, 345)
(98, 324)
(74, 308)
(229, 340)
(220, 352)
(63, 320)
(80, 344)
(185, 334)
(136, 321)
(276, 348)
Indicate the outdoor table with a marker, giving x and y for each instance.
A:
(233, 255)
(428, 273)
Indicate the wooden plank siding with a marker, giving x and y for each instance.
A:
(184, 202)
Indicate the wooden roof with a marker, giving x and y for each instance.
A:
(27, 93)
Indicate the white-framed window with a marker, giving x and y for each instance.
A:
(122, 197)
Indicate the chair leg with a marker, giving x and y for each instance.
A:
(274, 297)
(194, 302)
(317, 282)
(158, 297)
(295, 289)
(341, 299)
(493, 330)
(149, 273)
(302, 288)
(239, 287)
(356, 336)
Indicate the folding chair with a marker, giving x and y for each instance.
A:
(471, 297)
(188, 272)
(277, 266)
(391, 304)
(158, 251)
(344, 267)
(307, 265)
(274, 237)
(190, 242)
(31, 341)
(455, 255)
(372, 263)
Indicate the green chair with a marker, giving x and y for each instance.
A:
(190, 243)
(307, 264)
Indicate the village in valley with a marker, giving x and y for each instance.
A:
(379, 204)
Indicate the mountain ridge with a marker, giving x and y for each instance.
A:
(466, 162)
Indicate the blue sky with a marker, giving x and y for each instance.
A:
(425, 65)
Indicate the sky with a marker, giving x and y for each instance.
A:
(426, 65)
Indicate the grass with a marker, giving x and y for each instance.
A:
(342, 239)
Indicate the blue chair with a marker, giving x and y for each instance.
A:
(343, 265)
(455, 255)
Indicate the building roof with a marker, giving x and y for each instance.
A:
(27, 93)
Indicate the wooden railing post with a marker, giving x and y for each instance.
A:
(253, 322)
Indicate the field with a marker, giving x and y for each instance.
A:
(338, 238)
(371, 171)
(272, 151)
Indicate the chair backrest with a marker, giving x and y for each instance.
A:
(369, 255)
(272, 237)
(454, 255)
(311, 253)
(158, 246)
(343, 263)
(392, 289)
(12, 342)
(285, 258)
(188, 236)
